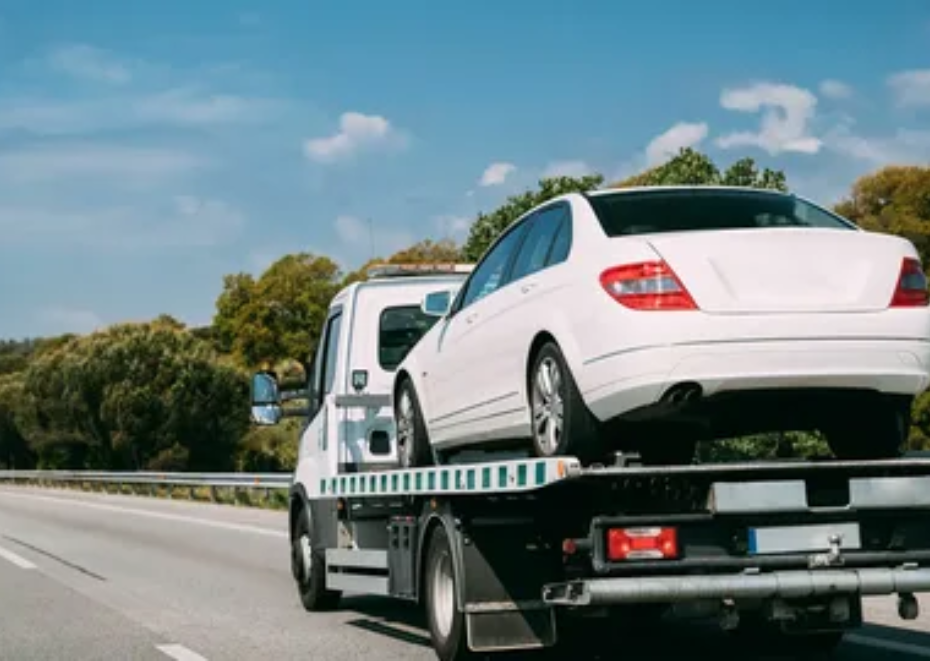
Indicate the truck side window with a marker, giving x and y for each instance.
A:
(330, 350)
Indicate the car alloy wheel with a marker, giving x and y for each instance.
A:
(548, 406)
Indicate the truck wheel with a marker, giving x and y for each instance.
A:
(561, 422)
(413, 446)
(446, 622)
(877, 431)
(308, 565)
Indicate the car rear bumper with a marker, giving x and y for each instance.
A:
(613, 384)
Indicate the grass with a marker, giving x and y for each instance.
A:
(258, 497)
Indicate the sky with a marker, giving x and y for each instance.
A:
(149, 148)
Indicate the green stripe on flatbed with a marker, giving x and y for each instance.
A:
(498, 477)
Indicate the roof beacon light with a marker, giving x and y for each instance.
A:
(407, 270)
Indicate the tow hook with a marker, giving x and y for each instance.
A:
(832, 558)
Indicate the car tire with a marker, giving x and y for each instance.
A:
(308, 566)
(560, 422)
(876, 430)
(446, 622)
(413, 445)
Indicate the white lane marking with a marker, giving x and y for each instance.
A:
(238, 527)
(179, 653)
(16, 559)
(890, 645)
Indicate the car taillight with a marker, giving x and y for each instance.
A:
(642, 544)
(647, 286)
(912, 286)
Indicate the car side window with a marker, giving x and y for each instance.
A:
(562, 243)
(489, 275)
(539, 238)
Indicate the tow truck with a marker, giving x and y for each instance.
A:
(512, 553)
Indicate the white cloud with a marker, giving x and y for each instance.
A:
(911, 88)
(786, 114)
(452, 227)
(71, 320)
(567, 169)
(88, 160)
(82, 61)
(668, 144)
(351, 229)
(496, 174)
(356, 132)
(193, 106)
(363, 240)
(835, 89)
(182, 221)
(903, 147)
(183, 106)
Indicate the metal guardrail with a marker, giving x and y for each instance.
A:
(153, 478)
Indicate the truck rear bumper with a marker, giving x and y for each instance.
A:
(785, 584)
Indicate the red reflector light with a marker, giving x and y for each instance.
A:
(647, 286)
(912, 286)
(642, 544)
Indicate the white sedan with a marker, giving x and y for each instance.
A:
(648, 319)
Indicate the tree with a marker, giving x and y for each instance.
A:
(692, 168)
(487, 227)
(134, 396)
(894, 200)
(238, 292)
(281, 314)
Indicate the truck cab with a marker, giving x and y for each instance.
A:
(369, 329)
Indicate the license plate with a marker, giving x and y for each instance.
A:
(801, 539)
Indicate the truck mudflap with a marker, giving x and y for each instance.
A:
(778, 584)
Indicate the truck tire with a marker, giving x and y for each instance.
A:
(446, 622)
(413, 446)
(310, 576)
(561, 422)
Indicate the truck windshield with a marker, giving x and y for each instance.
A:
(400, 329)
(688, 210)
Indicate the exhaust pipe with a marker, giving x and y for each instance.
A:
(683, 392)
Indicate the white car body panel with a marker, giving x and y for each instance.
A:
(778, 308)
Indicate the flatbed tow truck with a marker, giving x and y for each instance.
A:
(510, 554)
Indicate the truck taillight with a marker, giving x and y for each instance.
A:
(647, 286)
(642, 544)
(912, 286)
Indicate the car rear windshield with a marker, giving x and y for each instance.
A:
(400, 329)
(650, 212)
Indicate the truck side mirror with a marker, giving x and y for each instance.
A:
(265, 399)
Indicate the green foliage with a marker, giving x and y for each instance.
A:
(134, 396)
(894, 200)
(280, 315)
(692, 168)
(487, 227)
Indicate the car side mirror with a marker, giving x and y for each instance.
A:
(437, 303)
(265, 399)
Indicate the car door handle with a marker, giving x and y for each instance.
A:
(528, 287)
(470, 319)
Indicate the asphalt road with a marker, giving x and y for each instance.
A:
(87, 577)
